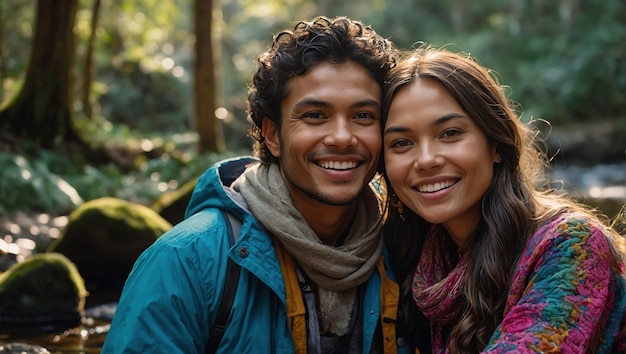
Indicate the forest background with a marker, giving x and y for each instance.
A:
(134, 98)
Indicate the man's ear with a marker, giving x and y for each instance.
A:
(270, 134)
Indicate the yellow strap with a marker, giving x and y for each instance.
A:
(295, 304)
(389, 294)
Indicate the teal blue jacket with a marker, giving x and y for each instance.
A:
(172, 295)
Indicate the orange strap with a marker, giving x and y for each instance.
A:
(295, 303)
(389, 294)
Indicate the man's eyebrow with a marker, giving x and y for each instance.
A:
(366, 102)
(315, 102)
(311, 102)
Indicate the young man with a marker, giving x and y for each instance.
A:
(312, 277)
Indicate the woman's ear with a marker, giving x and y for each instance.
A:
(496, 157)
(270, 136)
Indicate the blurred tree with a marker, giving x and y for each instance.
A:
(560, 64)
(88, 69)
(16, 20)
(207, 125)
(3, 59)
(41, 111)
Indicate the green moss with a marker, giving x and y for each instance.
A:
(107, 209)
(43, 286)
(105, 236)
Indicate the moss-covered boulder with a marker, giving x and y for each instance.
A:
(172, 205)
(45, 289)
(104, 237)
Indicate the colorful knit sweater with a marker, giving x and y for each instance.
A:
(568, 294)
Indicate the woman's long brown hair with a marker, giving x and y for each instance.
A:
(517, 200)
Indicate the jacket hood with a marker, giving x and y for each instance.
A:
(213, 188)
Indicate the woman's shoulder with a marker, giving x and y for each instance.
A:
(575, 235)
(570, 226)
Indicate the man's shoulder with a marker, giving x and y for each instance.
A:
(204, 223)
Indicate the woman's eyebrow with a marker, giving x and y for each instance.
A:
(439, 121)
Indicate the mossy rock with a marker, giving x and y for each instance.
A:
(43, 289)
(105, 236)
(172, 205)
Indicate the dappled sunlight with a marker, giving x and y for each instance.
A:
(60, 221)
(147, 145)
(14, 229)
(168, 63)
(10, 248)
(26, 234)
(43, 218)
(162, 187)
(70, 191)
(178, 72)
(34, 230)
(26, 175)
(616, 192)
(25, 244)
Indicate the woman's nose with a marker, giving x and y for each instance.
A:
(427, 157)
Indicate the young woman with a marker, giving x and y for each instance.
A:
(488, 259)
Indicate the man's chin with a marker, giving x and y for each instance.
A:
(338, 198)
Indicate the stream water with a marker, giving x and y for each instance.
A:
(599, 181)
(86, 338)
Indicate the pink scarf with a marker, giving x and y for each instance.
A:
(437, 286)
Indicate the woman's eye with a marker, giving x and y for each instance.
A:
(451, 133)
(400, 143)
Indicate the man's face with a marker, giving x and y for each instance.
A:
(330, 138)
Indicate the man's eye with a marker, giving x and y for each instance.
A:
(313, 115)
(364, 115)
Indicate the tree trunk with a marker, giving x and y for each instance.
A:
(88, 73)
(3, 60)
(206, 124)
(42, 110)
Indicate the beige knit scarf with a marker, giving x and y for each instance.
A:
(337, 271)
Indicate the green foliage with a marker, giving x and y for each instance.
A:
(568, 69)
(559, 63)
(124, 100)
(33, 183)
(49, 182)
(16, 19)
(563, 61)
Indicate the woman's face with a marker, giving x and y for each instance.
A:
(437, 159)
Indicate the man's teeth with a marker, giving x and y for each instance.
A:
(435, 187)
(338, 165)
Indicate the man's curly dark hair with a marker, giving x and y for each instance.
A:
(295, 52)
